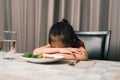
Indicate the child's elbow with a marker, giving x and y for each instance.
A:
(84, 57)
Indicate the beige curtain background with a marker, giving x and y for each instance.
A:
(32, 19)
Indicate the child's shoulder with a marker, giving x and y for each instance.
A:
(79, 43)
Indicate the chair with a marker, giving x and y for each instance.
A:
(96, 43)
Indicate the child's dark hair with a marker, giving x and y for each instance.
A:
(65, 29)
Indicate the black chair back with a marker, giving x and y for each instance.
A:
(96, 43)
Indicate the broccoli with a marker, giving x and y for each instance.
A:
(40, 56)
(27, 54)
(30, 55)
(34, 56)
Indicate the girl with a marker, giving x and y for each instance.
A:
(63, 41)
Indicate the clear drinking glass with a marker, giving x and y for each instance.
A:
(1, 45)
(1, 49)
(9, 44)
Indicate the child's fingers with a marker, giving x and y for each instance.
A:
(75, 50)
(74, 55)
(80, 53)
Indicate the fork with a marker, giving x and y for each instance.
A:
(73, 63)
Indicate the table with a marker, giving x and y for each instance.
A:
(102, 70)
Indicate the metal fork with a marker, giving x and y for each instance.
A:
(73, 63)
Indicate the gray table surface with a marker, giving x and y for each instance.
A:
(102, 70)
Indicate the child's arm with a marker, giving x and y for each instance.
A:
(44, 49)
(84, 54)
(80, 54)
(48, 49)
(68, 53)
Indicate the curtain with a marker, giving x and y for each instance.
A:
(32, 19)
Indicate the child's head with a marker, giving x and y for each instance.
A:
(62, 35)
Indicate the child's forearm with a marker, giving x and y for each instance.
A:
(46, 50)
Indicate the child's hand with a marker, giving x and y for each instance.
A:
(78, 51)
(65, 51)
(74, 50)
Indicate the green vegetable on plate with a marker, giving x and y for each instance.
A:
(31, 55)
(27, 54)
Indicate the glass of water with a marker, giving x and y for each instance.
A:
(1, 49)
(9, 45)
(1, 45)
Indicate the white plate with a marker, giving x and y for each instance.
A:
(45, 60)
